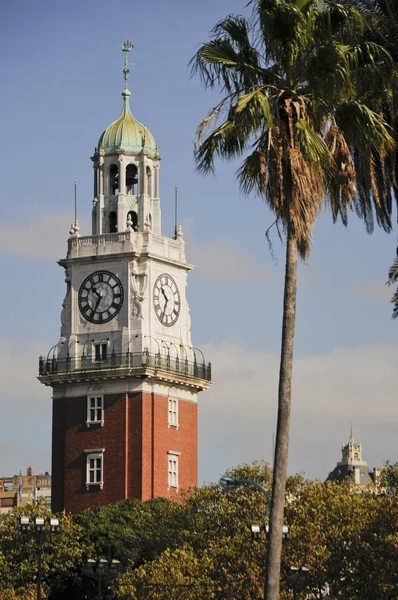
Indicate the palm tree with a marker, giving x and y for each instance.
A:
(383, 16)
(295, 83)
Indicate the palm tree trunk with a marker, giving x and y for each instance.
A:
(272, 580)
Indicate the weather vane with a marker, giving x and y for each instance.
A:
(127, 46)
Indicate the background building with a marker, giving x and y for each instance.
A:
(352, 465)
(19, 490)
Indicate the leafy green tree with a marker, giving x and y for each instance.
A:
(347, 539)
(216, 541)
(62, 557)
(132, 531)
(177, 574)
(389, 479)
(294, 79)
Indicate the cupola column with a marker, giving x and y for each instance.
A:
(122, 176)
(101, 175)
(144, 182)
(156, 182)
(95, 180)
(100, 204)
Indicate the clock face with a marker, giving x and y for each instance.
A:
(100, 297)
(166, 300)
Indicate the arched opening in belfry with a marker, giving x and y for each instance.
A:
(131, 180)
(149, 181)
(134, 217)
(113, 180)
(95, 182)
(112, 222)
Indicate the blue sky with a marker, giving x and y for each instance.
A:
(61, 71)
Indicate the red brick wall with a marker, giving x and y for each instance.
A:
(182, 439)
(136, 438)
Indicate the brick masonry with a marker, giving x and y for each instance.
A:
(136, 438)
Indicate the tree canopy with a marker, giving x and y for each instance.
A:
(201, 547)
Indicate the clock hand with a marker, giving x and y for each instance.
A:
(97, 304)
(166, 299)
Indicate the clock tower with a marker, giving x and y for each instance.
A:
(124, 373)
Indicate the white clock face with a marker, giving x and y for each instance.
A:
(166, 300)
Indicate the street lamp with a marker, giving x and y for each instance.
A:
(297, 578)
(229, 483)
(256, 530)
(100, 570)
(39, 526)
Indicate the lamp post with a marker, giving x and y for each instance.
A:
(297, 578)
(100, 570)
(229, 483)
(39, 525)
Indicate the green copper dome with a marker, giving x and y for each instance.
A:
(126, 133)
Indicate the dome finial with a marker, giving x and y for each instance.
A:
(127, 46)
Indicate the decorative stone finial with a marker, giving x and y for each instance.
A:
(147, 224)
(129, 223)
(179, 232)
(74, 229)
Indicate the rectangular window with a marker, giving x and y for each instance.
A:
(95, 410)
(8, 502)
(173, 412)
(100, 352)
(172, 479)
(95, 468)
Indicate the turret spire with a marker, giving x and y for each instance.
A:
(127, 46)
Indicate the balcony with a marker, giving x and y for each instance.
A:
(129, 364)
(128, 241)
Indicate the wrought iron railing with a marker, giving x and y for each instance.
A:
(129, 360)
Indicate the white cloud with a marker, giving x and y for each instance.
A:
(330, 391)
(40, 238)
(237, 415)
(19, 367)
(225, 261)
(25, 409)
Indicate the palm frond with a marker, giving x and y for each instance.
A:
(363, 127)
(224, 142)
(314, 149)
(252, 174)
(255, 107)
(393, 273)
(393, 279)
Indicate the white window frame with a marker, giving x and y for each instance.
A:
(95, 454)
(99, 398)
(172, 469)
(172, 406)
(100, 346)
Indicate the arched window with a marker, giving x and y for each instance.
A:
(356, 456)
(149, 181)
(134, 218)
(131, 180)
(112, 222)
(113, 180)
